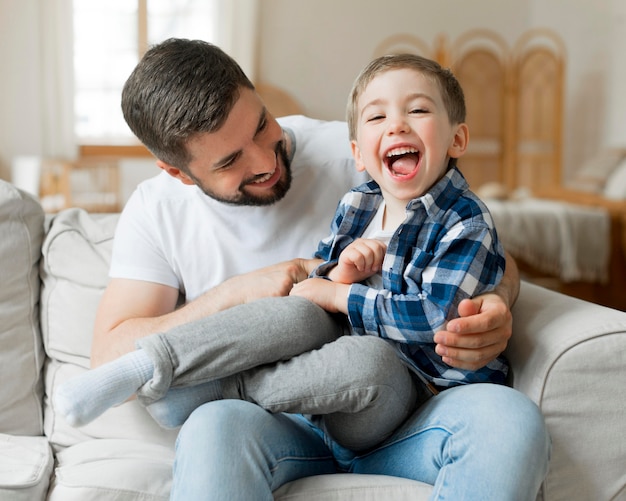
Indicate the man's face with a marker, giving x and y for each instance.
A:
(245, 161)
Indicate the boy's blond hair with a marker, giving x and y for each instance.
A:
(451, 91)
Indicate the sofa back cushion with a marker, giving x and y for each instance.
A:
(21, 356)
(74, 272)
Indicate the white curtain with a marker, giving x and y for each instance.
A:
(57, 82)
(237, 32)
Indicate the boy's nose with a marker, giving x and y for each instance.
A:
(397, 125)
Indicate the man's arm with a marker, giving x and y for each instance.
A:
(484, 326)
(131, 309)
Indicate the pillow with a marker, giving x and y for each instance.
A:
(615, 187)
(25, 467)
(74, 272)
(21, 357)
(594, 173)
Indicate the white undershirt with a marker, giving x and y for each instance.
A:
(375, 231)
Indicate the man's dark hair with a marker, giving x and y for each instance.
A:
(179, 89)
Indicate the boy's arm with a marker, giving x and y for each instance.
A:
(484, 326)
(359, 260)
(477, 337)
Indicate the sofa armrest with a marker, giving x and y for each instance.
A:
(569, 356)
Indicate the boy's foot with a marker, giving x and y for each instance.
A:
(83, 398)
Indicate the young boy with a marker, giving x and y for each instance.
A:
(405, 249)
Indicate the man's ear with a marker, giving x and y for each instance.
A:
(358, 159)
(459, 141)
(175, 172)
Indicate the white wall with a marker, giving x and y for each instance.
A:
(315, 48)
(585, 29)
(20, 102)
(615, 130)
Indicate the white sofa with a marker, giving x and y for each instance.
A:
(568, 356)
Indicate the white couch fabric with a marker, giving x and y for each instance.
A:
(569, 356)
(571, 360)
(22, 230)
(25, 457)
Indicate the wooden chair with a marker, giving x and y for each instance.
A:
(92, 184)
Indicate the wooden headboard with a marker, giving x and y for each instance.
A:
(514, 98)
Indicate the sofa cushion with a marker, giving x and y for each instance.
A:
(349, 487)
(569, 356)
(25, 467)
(123, 454)
(113, 469)
(74, 272)
(21, 358)
(76, 254)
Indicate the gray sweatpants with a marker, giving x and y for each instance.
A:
(289, 355)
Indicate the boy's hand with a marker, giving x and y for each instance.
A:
(360, 260)
(331, 296)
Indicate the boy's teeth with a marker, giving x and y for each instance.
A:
(403, 160)
(401, 151)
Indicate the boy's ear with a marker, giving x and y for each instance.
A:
(175, 172)
(459, 142)
(358, 159)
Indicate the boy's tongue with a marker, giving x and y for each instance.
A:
(404, 164)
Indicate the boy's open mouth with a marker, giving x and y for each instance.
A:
(402, 161)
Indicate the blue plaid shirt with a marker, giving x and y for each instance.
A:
(446, 250)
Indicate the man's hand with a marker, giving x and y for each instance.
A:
(274, 280)
(484, 326)
(478, 335)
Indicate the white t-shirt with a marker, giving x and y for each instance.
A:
(374, 230)
(173, 234)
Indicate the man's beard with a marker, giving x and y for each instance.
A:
(243, 197)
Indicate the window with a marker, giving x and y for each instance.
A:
(109, 38)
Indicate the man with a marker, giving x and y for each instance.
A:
(238, 194)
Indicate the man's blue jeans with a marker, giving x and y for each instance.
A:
(478, 442)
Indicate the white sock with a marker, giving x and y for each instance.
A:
(83, 398)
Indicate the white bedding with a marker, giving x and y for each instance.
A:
(565, 240)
